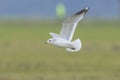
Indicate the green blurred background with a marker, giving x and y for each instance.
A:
(24, 56)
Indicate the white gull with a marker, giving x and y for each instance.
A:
(64, 38)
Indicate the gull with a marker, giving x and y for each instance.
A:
(64, 38)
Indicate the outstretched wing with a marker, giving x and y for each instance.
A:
(70, 24)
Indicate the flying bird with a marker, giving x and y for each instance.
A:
(64, 38)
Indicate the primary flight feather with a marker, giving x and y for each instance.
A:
(64, 38)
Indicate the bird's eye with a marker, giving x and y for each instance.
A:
(50, 40)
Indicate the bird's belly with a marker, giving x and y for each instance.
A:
(64, 45)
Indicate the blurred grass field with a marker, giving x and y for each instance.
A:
(24, 56)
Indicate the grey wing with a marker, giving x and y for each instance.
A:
(70, 24)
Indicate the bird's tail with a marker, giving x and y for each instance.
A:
(76, 46)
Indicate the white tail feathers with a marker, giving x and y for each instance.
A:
(76, 46)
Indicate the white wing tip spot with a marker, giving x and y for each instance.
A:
(87, 8)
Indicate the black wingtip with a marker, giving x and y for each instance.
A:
(85, 10)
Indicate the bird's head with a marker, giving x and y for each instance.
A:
(51, 41)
